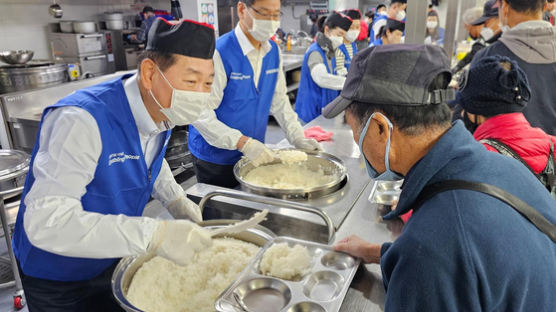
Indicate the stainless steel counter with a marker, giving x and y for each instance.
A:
(291, 61)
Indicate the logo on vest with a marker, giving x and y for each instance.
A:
(272, 71)
(239, 76)
(120, 158)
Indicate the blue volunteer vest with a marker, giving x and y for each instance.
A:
(122, 183)
(243, 106)
(342, 48)
(310, 97)
(378, 18)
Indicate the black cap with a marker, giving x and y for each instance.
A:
(392, 24)
(380, 6)
(352, 13)
(490, 10)
(148, 9)
(491, 89)
(398, 1)
(186, 37)
(337, 19)
(395, 74)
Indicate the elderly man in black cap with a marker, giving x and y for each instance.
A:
(474, 242)
(98, 159)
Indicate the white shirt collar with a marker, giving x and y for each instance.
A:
(145, 124)
(245, 44)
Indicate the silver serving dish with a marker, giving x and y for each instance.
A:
(323, 288)
(386, 192)
(331, 165)
(125, 270)
(16, 57)
(14, 166)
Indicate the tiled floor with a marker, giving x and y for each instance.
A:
(154, 209)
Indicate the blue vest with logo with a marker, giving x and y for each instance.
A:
(342, 48)
(244, 107)
(378, 18)
(310, 97)
(122, 183)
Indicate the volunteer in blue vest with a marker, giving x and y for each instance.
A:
(320, 84)
(249, 86)
(391, 33)
(98, 159)
(396, 10)
(348, 49)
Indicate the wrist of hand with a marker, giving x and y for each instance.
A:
(241, 142)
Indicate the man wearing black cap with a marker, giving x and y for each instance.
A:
(97, 161)
(462, 250)
(396, 10)
(249, 86)
(391, 33)
(530, 41)
(320, 83)
(493, 96)
(490, 32)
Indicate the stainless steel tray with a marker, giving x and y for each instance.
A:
(385, 192)
(321, 290)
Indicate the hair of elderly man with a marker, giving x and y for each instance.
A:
(526, 6)
(162, 59)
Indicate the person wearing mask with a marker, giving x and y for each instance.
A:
(348, 48)
(493, 97)
(547, 13)
(369, 17)
(467, 247)
(529, 41)
(319, 84)
(98, 159)
(391, 33)
(489, 31)
(147, 19)
(434, 33)
(396, 10)
(249, 85)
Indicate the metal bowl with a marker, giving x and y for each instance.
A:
(328, 162)
(16, 57)
(126, 269)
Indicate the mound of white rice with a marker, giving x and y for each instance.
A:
(162, 285)
(292, 156)
(285, 262)
(287, 176)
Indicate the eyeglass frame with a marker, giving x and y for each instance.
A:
(270, 16)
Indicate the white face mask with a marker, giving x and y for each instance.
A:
(432, 24)
(185, 107)
(487, 33)
(336, 41)
(352, 35)
(401, 15)
(262, 29)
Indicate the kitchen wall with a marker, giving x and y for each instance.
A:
(24, 23)
(291, 18)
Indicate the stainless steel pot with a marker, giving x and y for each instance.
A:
(331, 165)
(14, 166)
(126, 269)
(66, 26)
(35, 74)
(114, 16)
(84, 27)
(115, 25)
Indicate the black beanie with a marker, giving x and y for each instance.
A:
(488, 89)
(189, 38)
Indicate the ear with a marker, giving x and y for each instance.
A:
(380, 127)
(241, 9)
(148, 68)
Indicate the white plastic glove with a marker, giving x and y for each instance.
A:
(184, 208)
(342, 72)
(307, 144)
(257, 152)
(179, 240)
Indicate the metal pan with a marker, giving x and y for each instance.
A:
(329, 163)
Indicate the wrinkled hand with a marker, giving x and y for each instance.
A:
(184, 208)
(179, 240)
(355, 246)
(257, 152)
(307, 144)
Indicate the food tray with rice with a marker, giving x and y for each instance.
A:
(289, 275)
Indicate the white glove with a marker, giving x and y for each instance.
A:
(257, 152)
(307, 144)
(342, 72)
(184, 208)
(179, 240)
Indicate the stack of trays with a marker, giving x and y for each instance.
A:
(386, 192)
(322, 289)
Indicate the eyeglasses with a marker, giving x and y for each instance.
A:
(267, 16)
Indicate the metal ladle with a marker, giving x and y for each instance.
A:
(55, 10)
